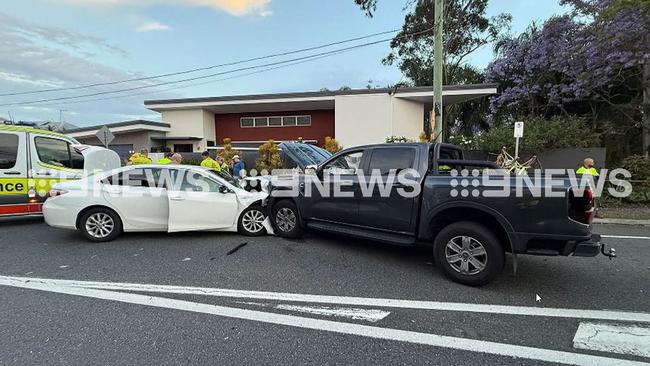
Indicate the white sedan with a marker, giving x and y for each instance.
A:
(166, 198)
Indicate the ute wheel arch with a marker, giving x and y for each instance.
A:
(485, 216)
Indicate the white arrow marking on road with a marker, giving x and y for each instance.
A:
(538, 298)
(472, 345)
(625, 237)
(355, 301)
(631, 340)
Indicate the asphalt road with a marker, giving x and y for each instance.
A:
(81, 324)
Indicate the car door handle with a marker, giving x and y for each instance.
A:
(177, 198)
(11, 173)
(44, 173)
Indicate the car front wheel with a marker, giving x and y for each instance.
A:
(100, 225)
(251, 221)
(468, 253)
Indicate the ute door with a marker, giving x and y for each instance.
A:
(334, 196)
(13, 173)
(387, 209)
(53, 159)
(198, 202)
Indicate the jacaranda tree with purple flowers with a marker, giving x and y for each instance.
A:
(592, 62)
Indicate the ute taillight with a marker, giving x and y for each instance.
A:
(582, 207)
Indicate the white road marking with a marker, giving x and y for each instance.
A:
(625, 237)
(371, 315)
(631, 340)
(636, 317)
(558, 357)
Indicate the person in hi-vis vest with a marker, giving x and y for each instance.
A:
(588, 168)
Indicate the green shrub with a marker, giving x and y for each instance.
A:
(639, 166)
(540, 135)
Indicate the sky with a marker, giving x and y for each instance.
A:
(52, 44)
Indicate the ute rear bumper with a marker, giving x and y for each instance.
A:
(593, 247)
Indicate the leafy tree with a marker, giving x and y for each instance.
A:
(269, 157)
(582, 63)
(466, 26)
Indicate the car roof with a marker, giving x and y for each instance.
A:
(14, 128)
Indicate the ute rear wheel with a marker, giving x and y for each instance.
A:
(100, 225)
(468, 253)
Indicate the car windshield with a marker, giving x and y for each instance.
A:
(305, 154)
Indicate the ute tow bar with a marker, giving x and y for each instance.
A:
(611, 253)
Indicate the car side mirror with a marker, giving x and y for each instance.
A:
(311, 169)
(224, 190)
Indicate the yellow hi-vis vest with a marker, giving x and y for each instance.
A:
(210, 163)
(591, 171)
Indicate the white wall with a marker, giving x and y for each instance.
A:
(408, 118)
(362, 119)
(371, 118)
(190, 123)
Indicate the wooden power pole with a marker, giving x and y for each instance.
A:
(437, 69)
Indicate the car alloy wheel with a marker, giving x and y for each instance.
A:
(285, 219)
(466, 255)
(100, 225)
(253, 221)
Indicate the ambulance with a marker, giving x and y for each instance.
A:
(32, 160)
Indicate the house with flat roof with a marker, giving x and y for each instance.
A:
(130, 136)
(353, 117)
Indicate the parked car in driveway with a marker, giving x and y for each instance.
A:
(470, 231)
(155, 198)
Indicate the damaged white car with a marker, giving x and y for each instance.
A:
(150, 198)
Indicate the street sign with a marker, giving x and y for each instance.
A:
(105, 136)
(519, 129)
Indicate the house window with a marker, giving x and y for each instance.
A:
(183, 148)
(304, 121)
(275, 121)
(247, 122)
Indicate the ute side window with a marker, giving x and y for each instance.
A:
(345, 164)
(385, 160)
(448, 154)
(58, 152)
(8, 150)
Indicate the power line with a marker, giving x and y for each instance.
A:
(194, 84)
(215, 74)
(233, 63)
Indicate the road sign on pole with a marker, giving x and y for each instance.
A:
(519, 133)
(105, 136)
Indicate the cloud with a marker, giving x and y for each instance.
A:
(234, 7)
(42, 57)
(152, 26)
